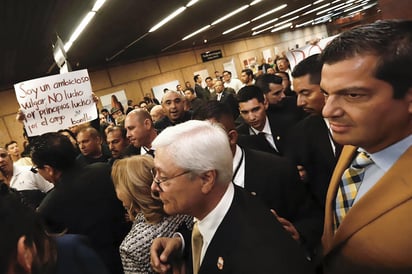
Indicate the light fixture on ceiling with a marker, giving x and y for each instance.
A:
(85, 21)
(167, 19)
(281, 27)
(355, 7)
(317, 2)
(235, 28)
(332, 8)
(270, 12)
(97, 5)
(263, 30)
(229, 15)
(315, 9)
(295, 11)
(265, 24)
(255, 2)
(286, 21)
(196, 32)
(304, 24)
(191, 3)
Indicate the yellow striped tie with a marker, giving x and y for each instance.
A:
(349, 185)
(197, 242)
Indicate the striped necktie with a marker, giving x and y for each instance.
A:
(349, 185)
(197, 242)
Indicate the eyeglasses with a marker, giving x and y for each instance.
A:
(158, 182)
(4, 155)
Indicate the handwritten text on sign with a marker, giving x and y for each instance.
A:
(56, 102)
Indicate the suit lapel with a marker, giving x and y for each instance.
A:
(343, 163)
(392, 189)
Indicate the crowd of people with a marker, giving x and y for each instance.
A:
(231, 176)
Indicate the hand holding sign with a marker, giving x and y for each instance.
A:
(56, 102)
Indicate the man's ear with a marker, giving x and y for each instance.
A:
(25, 254)
(208, 180)
(147, 123)
(265, 102)
(233, 136)
(408, 98)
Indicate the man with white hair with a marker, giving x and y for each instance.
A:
(233, 231)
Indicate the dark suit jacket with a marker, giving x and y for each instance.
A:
(276, 182)
(75, 255)
(250, 240)
(278, 127)
(229, 99)
(165, 121)
(84, 202)
(308, 144)
(201, 93)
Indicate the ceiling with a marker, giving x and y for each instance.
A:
(30, 28)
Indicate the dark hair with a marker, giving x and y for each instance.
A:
(312, 65)
(264, 80)
(55, 150)
(6, 146)
(68, 132)
(389, 40)
(117, 128)
(212, 110)
(17, 220)
(227, 72)
(190, 89)
(248, 72)
(208, 78)
(196, 77)
(250, 92)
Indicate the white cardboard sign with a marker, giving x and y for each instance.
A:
(56, 102)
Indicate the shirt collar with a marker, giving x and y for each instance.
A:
(211, 222)
(388, 156)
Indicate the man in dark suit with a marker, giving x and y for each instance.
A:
(201, 93)
(273, 179)
(140, 132)
(281, 107)
(238, 234)
(83, 200)
(309, 144)
(226, 96)
(252, 107)
(192, 99)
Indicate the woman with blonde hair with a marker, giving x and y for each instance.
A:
(132, 178)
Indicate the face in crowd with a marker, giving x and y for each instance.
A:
(173, 106)
(254, 113)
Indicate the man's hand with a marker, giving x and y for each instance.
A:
(288, 226)
(164, 252)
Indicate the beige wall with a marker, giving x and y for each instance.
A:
(137, 78)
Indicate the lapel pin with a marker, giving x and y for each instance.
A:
(220, 263)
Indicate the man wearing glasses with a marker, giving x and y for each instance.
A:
(233, 231)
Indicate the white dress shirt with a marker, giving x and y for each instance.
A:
(211, 222)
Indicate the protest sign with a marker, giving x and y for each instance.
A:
(296, 55)
(56, 102)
